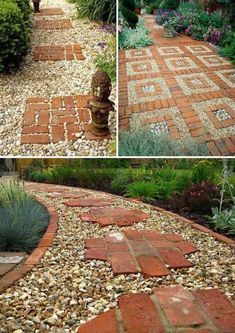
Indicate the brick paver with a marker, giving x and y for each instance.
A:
(114, 215)
(184, 91)
(88, 202)
(168, 309)
(58, 52)
(54, 119)
(50, 12)
(132, 251)
(53, 24)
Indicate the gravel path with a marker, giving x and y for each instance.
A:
(48, 79)
(64, 291)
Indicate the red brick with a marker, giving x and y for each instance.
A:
(179, 307)
(34, 139)
(139, 314)
(123, 262)
(152, 266)
(160, 244)
(35, 256)
(94, 242)
(133, 234)
(117, 247)
(56, 103)
(96, 253)
(104, 323)
(174, 258)
(35, 129)
(152, 235)
(140, 247)
(218, 308)
(186, 247)
(57, 133)
(4, 268)
(173, 237)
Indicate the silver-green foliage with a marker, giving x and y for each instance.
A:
(224, 220)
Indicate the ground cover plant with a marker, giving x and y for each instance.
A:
(22, 219)
(96, 10)
(106, 61)
(14, 32)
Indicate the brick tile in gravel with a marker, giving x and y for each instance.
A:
(138, 53)
(54, 119)
(88, 202)
(167, 309)
(213, 60)
(53, 24)
(67, 291)
(49, 12)
(113, 215)
(228, 76)
(141, 67)
(151, 257)
(68, 195)
(196, 83)
(171, 50)
(58, 52)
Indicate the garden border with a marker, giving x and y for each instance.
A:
(14, 275)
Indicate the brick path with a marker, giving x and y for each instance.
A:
(148, 252)
(54, 119)
(114, 216)
(88, 202)
(179, 87)
(167, 310)
(53, 24)
(58, 53)
(50, 12)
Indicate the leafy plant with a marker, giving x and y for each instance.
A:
(147, 191)
(127, 9)
(134, 38)
(203, 170)
(169, 4)
(223, 220)
(119, 184)
(106, 61)
(97, 10)
(22, 220)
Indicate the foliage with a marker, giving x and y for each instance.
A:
(143, 142)
(203, 170)
(150, 8)
(228, 46)
(134, 38)
(224, 220)
(22, 220)
(169, 4)
(14, 32)
(200, 197)
(120, 182)
(127, 8)
(97, 10)
(106, 61)
(147, 191)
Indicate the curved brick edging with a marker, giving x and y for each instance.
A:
(14, 275)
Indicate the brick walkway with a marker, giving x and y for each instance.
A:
(53, 24)
(179, 87)
(167, 310)
(148, 252)
(49, 12)
(58, 53)
(88, 202)
(114, 216)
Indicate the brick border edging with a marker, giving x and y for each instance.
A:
(14, 275)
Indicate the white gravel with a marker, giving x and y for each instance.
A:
(46, 79)
(64, 291)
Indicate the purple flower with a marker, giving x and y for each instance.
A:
(102, 45)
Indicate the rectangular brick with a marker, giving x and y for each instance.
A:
(152, 266)
(105, 323)
(174, 258)
(123, 262)
(94, 242)
(140, 247)
(96, 253)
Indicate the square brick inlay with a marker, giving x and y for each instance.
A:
(151, 257)
(114, 216)
(53, 24)
(169, 50)
(196, 83)
(228, 76)
(199, 311)
(49, 12)
(213, 60)
(146, 90)
(138, 53)
(219, 116)
(54, 119)
(175, 64)
(198, 49)
(168, 121)
(58, 52)
(88, 202)
(141, 67)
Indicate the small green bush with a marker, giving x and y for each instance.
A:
(152, 7)
(147, 191)
(169, 4)
(224, 220)
(14, 34)
(97, 10)
(22, 220)
(203, 170)
(119, 184)
(130, 17)
(24, 6)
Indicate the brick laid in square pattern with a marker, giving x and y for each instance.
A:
(58, 52)
(189, 73)
(53, 24)
(148, 252)
(167, 309)
(54, 119)
(114, 216)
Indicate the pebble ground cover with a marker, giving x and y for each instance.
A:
(61, 63)
(64, 290)
(179, 87)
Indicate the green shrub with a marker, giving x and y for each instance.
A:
(119, 184)
(107, 60)
(22, 220)
(153, 6)
(129, 16)
(97, 10)
(227, 46)
(169, 4)
(134, 38)
(147, 191)
(143, 142)
(224, 220)
(14, 34)
(24, 6)
(129, 4)
(203, 170)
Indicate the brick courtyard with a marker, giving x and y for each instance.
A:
(167, 309)
(147, 252)
(179, 87)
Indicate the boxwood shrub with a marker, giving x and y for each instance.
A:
(14, 32)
